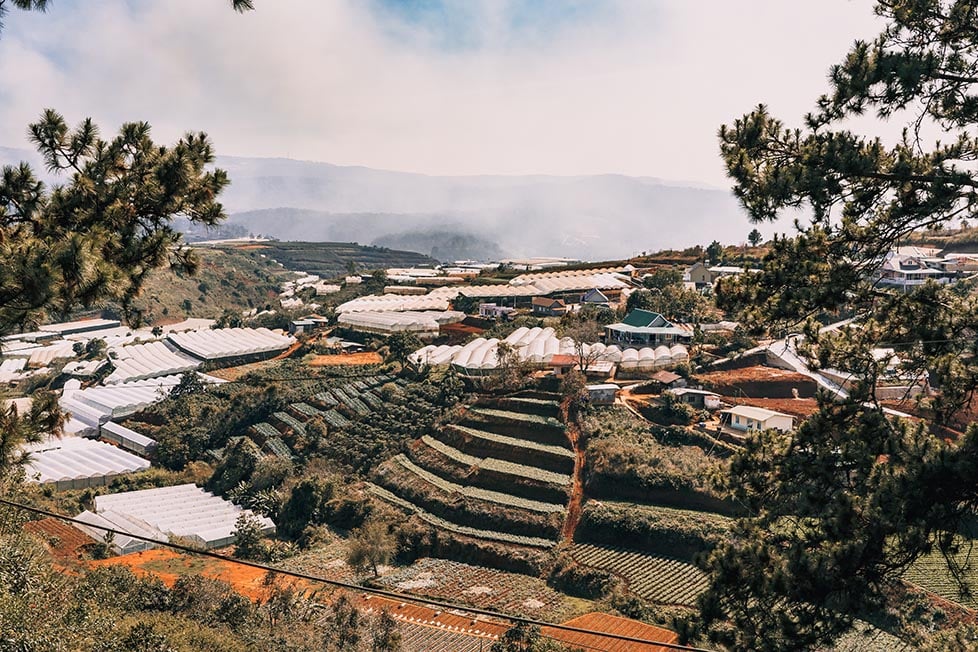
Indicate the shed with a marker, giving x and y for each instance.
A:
(549, 307)
(603, 394)
(668, 379)
(747, 418)
(698, 398)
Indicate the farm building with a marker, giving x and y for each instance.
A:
(81, 326)
(231, 344)
(121, 544)
(395, 303)
(150, 360)
(548, 307)
(423, 324)
(125, 438)
(185, 511)
(747, 418)
(603, 394)
(641, 328)
(534, 346)
(698, 398)
(666, 379)
(495, 312)
(78, 463)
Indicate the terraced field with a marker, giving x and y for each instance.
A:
(487, 472)
(508, 470)
(652, 577)
(930, 572)
(275, 434)
(489, 444)
(448, 526)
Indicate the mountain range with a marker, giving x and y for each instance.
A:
(588, 217)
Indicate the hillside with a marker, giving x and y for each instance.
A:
(225, 280)
(329, 259)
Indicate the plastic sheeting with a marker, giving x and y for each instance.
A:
(230, 342)
(78, 463)
(142, 361)
(398, 322)
(183, 510)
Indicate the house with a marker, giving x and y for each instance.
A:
(666, 379)
(596, 297)
(752, 419)
(698, 398)
(562, 363)
(699, 274)
(906, 272)
(603, 394)
(496, 312)
(548, 307)
(643, 328)
(719, 271)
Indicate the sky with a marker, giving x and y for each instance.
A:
(448, 87)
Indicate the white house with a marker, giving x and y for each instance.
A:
(747, 418)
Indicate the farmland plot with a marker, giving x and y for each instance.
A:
(464, 530)
(478, 586)
(652, 577)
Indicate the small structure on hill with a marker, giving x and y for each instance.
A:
(643, 328)
(753, 419)
(698, 398)
(548, 307)
(602, 394)
(666, 380)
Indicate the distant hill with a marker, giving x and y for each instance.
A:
(590, 217)
(330, 259)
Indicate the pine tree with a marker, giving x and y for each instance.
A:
(839, 508)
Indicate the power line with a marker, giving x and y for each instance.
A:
(347, 585)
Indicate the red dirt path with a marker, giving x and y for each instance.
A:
(577, 483)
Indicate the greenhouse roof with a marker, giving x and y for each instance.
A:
(76, 458)
(142, 361)
(213, 344)
(182, 510)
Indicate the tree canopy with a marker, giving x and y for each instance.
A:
(839, 508)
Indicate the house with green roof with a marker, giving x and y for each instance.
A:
(641, 328)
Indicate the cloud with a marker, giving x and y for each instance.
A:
(445, 87)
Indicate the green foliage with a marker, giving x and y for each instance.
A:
(754, 237)
(674, 302)
(714, 253)
(371, 546)
(674, 532)
(841, 507)
(663, 277)
(567, 576)
(624, 460)
(401, 345)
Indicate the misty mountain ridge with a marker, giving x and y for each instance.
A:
(589, 217)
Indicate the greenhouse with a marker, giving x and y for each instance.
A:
(142, 361)
(397, 303)
(121, 544)
(385, 323)
(537, 346)
(78, 463)
(231, 343)
(185, 511)
(125, 438)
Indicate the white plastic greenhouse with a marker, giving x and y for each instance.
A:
(125, 438)
(538, 346)
(422, 323)
(185, 511)
(78, 463)
(142, 361)
(396, 303)
(121, 543)
(225, 343)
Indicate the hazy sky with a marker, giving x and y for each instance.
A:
(437, 86)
